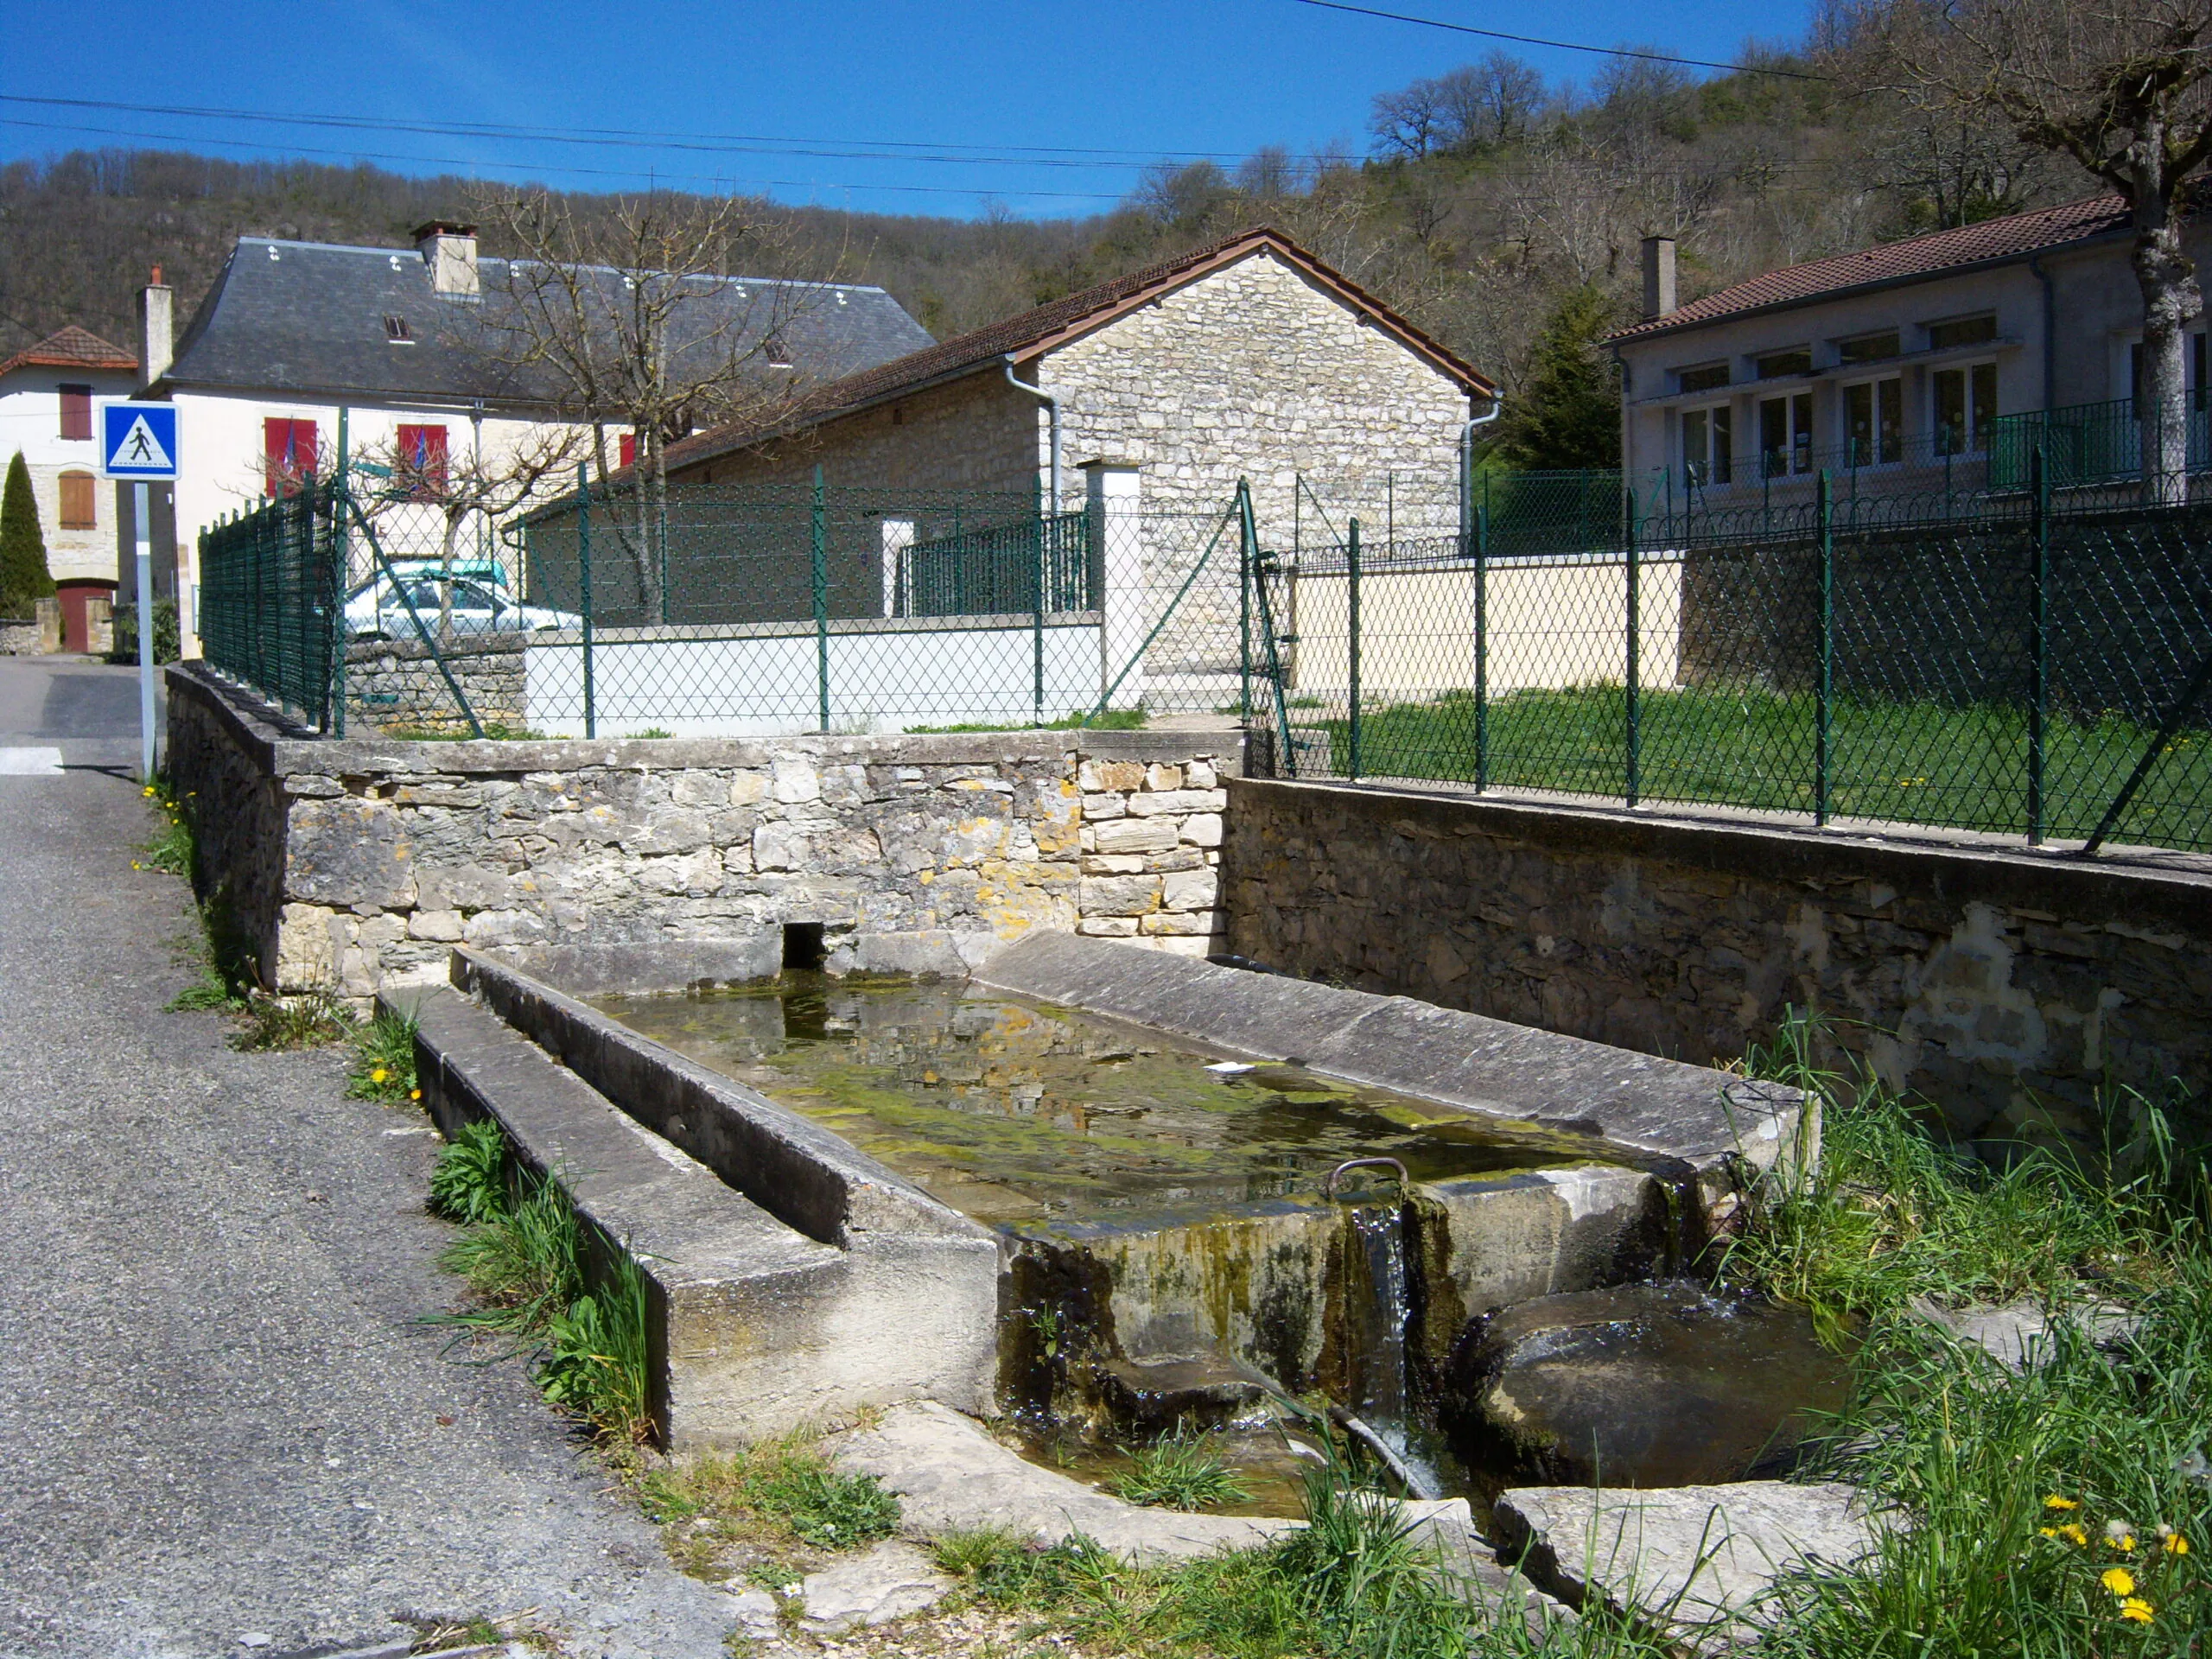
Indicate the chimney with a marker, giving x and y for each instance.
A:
(156, 329)
(450, 251)
(1658, 276)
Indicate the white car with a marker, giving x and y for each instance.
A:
(378, 607)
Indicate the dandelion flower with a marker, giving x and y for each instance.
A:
(2048, 1532)
(2118, 1581)
(147, 792)
(2136, 1608)
(414, 1094)
(2119, 1534)
(378, 1075)
(2073, 1534)
(2055, 1502)
(2171, 1542)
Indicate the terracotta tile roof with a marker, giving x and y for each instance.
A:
(1032, 332)
(2012, 238)
(71, 348)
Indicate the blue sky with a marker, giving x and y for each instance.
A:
(970, 88)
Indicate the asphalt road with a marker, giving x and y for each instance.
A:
(221, 1416)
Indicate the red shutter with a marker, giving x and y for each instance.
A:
(76, 411)
(422, 461)
(288, 448)
(627, 448)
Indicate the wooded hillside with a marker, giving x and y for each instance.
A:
(1489, 204)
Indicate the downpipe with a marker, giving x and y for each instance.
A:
(1467, 465)
(1053, 412)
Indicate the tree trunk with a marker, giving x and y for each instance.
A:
(2171, 300)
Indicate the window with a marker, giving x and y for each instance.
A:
(1708, 445)
(1868, 348)
(79, 502)
(421, 462)
(1706, 379)
(76, 411)
(1962, 331)
(1775, 364)
(396, 331)
(1965, 406)
(1786, 435)
(287, 450)
(1874, 422)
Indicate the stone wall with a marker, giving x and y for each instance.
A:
(357, 863)
(2006, 985)
(396, 683)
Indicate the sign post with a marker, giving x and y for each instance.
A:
(138, 443)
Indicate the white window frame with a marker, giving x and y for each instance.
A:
(1874, 383)
(1693, 465)
(1797, 440)
(1976, 441)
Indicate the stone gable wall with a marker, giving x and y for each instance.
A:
(2008, 986)
(357, 864)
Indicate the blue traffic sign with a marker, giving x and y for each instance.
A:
(138, 439)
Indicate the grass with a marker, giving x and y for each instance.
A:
(524, 1256)
(305, 1020)
(1180, 1472)
(1114, 719)
(1984, 1472)
(384, 1058)
(495, 731)
(1963, 765)
(765, 1513)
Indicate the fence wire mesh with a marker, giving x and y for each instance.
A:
(2003, 662)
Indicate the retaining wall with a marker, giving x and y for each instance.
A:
(359, 863)
(2009, 986)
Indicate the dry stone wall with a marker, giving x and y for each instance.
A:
(357, 864)
(2009, 988)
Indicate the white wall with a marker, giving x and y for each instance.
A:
(30, 420)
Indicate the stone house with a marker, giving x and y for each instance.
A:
(46, 394)
(1898, 364)
(408, 343)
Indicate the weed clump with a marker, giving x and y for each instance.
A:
(308, 1020)
(384, 1058)
(524, 1256)
(1181, 1473)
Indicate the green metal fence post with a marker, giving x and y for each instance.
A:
(1634, 780)
(1244, 601)
(2039, 645)
(335, 720)
(1045, 523)
(821, 552)
(1823, 686)
(583, 590)
(1351, 573)
(1482, 638)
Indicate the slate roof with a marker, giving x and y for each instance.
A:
(1938, 253)
(1031, 333)
(71, 347)
(307, 318)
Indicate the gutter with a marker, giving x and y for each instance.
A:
(1052, 407)
(1468, 463)
(2050, 330)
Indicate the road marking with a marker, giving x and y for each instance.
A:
(29, 763)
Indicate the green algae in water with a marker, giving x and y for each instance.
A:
(1021, 1115)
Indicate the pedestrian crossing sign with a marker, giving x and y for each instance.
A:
(138, 439)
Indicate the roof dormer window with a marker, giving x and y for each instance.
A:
(396, 331)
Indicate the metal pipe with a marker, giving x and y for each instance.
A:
(2049, 334)
(1329, 1181)
(1052, 411)
(1467, 464)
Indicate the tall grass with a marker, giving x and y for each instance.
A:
(524, 1256)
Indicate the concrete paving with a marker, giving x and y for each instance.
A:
(220, 1414)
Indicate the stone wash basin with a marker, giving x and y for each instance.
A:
(1043, 1190)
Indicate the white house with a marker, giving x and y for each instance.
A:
(292, 334)
(47, 393)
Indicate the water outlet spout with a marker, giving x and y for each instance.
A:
(1329, 1181)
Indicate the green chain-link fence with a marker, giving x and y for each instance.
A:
(2030, 662)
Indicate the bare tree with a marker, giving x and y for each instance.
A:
(627, 320)
(458, 492)
(2125, 88)
(1409, 122)
(1492, 102)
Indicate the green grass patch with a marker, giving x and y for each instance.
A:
(1114, 719)
(524, 1256)
(1181, 1473)
(384, 1058)
(309, 1019)
(495, 731)
(767, 1513)
(1962, 766)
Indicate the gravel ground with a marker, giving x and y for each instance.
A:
(221, 1415)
